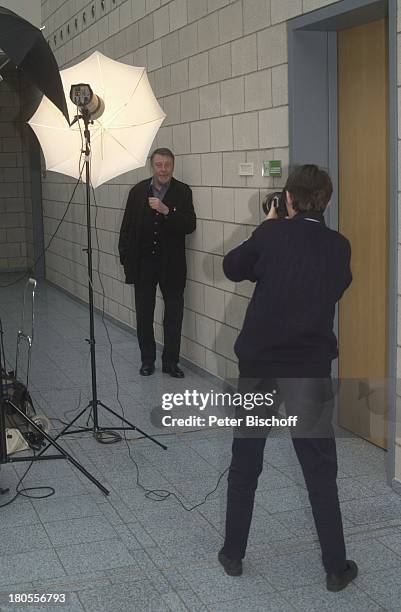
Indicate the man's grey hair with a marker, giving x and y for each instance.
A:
(162, 151)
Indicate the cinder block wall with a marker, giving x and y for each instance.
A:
(219, 70)
(15, 203)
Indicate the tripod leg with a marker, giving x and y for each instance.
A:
(60, 449)
(63, 431)
(131, 425)
(83, 471)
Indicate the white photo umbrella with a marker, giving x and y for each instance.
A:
(118, 141)
(120, 138)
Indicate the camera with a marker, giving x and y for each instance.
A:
(277, 199)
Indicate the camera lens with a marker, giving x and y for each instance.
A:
(272, 199)
(275, 198)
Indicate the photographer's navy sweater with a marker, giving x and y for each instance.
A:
(301, 269)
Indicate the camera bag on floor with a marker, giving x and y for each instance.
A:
(18, 394)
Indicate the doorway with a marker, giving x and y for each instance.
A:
(343, 117)
(363, 197)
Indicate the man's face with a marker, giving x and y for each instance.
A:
(162, 166)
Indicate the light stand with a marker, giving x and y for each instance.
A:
(94, 403)
(4, 458)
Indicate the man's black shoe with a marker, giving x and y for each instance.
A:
(147, 369)
(337, 582)
(173, 370)
(232, 567)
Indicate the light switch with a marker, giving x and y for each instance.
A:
(245, 169)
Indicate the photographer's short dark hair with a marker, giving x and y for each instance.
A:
(310, 187)
(162, 151)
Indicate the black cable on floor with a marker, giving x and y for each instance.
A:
(106, 436)
(153, 494)
(23, 491)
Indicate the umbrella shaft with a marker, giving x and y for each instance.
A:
(92, 340)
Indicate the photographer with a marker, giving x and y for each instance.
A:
(301, 269)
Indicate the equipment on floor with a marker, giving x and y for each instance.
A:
(19, 433)
(16, 406)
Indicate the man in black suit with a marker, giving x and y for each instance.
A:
(286, 345)
(158, 215)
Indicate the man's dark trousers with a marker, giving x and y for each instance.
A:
(145, 300)
(305, 391)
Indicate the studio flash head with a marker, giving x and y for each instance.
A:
(278, 200)
(81, 95)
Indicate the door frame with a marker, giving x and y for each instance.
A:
(313, 135)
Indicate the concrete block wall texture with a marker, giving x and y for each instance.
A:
(30, 97)
(219, 69)
(15, 201)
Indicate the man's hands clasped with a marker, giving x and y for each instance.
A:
(158, 206)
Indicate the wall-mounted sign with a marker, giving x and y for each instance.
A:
(272, 167)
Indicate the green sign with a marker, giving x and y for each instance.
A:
(272, 167)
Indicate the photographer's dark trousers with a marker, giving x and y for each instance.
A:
(145, 301)
(307, 393)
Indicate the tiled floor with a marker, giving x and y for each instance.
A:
(128, 552)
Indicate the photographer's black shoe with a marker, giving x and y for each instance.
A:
(337, 582)
(232, 567)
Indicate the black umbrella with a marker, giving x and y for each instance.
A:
(27, 48)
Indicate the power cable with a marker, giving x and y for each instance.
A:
(23, 492)
(105, 437)
(154, 494)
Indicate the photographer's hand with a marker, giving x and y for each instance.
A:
(272, 212)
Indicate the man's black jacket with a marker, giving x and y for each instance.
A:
(301, 269)
(181, 220)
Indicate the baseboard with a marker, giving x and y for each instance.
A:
(193, 367)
